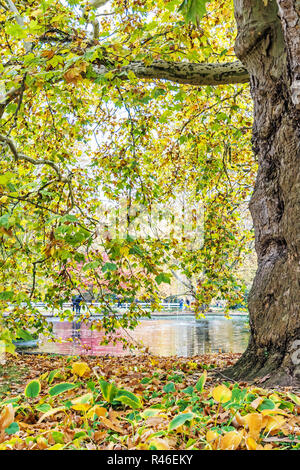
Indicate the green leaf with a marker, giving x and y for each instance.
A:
(128, 398)
(32, 389)
(163, 277)
(179, 420)
(201, 382)
(24, 334)
(92, 265)
(61, 388)
(109, 267)
(15, 30)
(53, 374)
(193, 10)
(58, 437)
(267, 404)
(109, 390)
(80, 435)
(12, 428)
(6, 295)
(68, 218)
(4, 179)
(43, 408)
(169, 388)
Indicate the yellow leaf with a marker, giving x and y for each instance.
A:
(251, 443)
(240, 419)
(276, 411)
(51, 413)
(109, 75)
(274, 423)
(81, 407)
(7, 416)
(86, 398)
(231, 440)
(42, 443)
(97, 410)
(221, 394)
(192, 365)
(153, 362)
(109, 424)
(80, 368)
(294, 398)
(131, 76)
(56, 447)
(160, 444)
(124, 250)
(275, 398)
(211, 435)
(255, 424)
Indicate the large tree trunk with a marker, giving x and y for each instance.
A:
(268, 43)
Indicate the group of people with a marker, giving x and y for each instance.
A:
(77, 302)
(181, 302)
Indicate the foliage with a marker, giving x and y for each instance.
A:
(172, 412)
(74, 142)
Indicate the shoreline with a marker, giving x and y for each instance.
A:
(165, 314)
(211, 312)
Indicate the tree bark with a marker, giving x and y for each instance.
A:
(268, 45)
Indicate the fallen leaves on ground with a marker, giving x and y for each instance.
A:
(142, 402)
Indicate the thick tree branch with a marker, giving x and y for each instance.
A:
(179, 72)
(184, 72)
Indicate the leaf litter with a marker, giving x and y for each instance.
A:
(141, 402)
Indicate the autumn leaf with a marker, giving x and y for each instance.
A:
(211, 435)
(221, 394)
(159, 444)
(80, 368)
(230, 440)
(7, 416)
(255, 423)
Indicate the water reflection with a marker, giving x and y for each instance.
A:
(178, 335)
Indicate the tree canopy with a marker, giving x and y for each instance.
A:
(110, 104)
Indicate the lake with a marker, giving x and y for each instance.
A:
(180, 335)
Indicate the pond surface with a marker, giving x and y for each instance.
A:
(179, 335)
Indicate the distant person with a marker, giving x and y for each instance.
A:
(74, 302)
(180, 304)
(78, 300)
